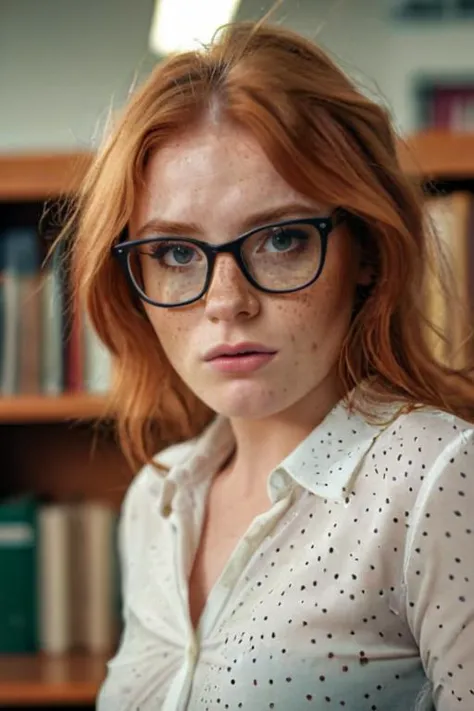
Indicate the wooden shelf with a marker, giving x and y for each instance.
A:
(39, 408)
(41, 176)
(436, 154)
(40, 680)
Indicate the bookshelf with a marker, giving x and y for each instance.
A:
(438, 155)
(53, 446)
(60, 432)
(39, 408)
(40, 176)
(50, 681)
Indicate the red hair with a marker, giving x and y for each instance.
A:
(328, 141)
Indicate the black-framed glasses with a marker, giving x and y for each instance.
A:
(278, 258)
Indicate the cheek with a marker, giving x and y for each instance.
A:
(319, 316)
(170, 330)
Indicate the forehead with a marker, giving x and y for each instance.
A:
(212, 176)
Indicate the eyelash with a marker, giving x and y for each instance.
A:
(160, 250)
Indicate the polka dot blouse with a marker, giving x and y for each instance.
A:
(355, 589)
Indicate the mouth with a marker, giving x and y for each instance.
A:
(238, 350)
(243, 353)
(240, 358)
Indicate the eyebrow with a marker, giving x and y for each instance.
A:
(261, 218)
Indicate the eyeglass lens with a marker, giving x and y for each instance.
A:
(278, 258)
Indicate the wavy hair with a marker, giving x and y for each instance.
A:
(329, 141)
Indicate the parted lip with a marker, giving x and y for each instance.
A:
(226, 349)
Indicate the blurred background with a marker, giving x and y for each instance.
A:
(64, 65)
(63, 62)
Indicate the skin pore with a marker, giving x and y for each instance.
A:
(217, 182)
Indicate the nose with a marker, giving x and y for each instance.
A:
(230, 296)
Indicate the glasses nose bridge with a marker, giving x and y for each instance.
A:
(229, 293)
(232, 248)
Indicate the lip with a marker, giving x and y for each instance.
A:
(244, 349)
(240, 364)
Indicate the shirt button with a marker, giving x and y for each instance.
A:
(166, 510)
(167, 495)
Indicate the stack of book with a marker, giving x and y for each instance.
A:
(59, 568)
(46, 347)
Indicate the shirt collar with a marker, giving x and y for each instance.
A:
(328, 460)
(200, 457)
(325, 463)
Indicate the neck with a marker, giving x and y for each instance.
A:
(262, 444)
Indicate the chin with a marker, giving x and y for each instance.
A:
(246, 400)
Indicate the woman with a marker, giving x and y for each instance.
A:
(252, 255)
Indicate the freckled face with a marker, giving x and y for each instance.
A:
(217, 179)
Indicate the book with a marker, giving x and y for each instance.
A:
(18, 573)
(52, 366)
(55, 578)
(47, 344)
(78, 592)
(94, 579)
(22, 332)
(98, 367)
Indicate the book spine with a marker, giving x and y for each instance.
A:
(52, 377)
(18, 575)
(54, 553)
(21, 356)
(10, 354)
(29, 377)
(98, 367)
(94, 594)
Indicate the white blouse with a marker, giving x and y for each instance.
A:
(354, 590)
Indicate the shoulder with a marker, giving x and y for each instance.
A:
(423, 454)
(169, 467)
(146, 489)
(442, 445)
(411, 452)
(423, 435)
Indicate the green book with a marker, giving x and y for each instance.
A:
(18, 575)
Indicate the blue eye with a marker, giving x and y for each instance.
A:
(172, 254)
(285, 239)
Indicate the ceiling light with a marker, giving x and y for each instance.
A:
(180, 25)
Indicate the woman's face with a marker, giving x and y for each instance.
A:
(217, 183)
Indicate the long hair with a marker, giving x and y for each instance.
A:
(330, 142)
